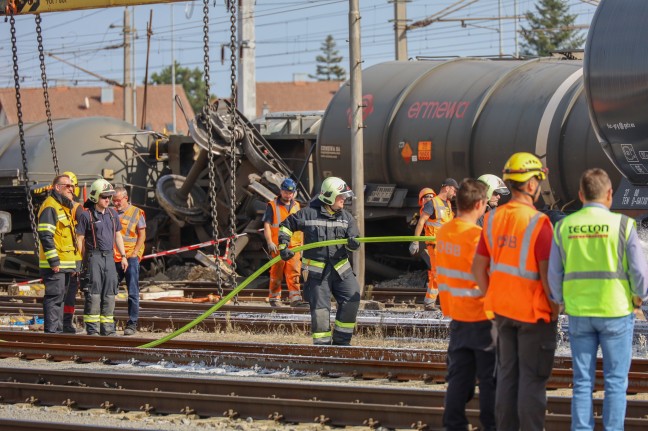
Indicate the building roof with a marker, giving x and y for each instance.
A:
(75, 102)
(295, 95)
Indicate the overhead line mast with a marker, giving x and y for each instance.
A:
(25, 7)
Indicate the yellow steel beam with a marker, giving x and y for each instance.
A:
(24, 7)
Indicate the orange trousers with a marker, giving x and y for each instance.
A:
(289, 269)
(433, 288)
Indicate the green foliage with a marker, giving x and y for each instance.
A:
(551, 28)
(191, 80)
(328, 68)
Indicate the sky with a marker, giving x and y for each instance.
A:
(289, 35)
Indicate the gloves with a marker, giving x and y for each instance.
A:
(272, 247)
(353, 244)
(414, 248)
(286, 254)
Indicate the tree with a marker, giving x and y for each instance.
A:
(191, 79)
(327, 64)
(551, 28)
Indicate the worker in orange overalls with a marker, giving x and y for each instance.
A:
(276, 212)
(510, 267)
(435, 213)
(471, 351)
(425, 195)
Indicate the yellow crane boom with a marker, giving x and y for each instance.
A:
(25, 7)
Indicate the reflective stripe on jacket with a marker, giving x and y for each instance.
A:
(130, 219)
(592, 244)
(318, 224)
(514, 289)
(57, 239)
(442, 214)
(460, 297)
(279, 214)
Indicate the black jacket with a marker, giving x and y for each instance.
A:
(318, 224)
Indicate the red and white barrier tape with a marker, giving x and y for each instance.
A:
(170, 252)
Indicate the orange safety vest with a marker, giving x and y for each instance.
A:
(279, 214)
(442, 212)
(129, 220)
(514, 289)
(460, 297)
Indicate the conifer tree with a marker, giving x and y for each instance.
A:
(550, 28)
(328, 68)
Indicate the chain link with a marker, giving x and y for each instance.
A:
(233, 123)
(213, 192)
(21, 133)
(48, 112)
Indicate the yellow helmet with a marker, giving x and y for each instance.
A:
(521, 167)
(74, 181)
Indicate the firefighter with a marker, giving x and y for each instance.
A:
(98, 231)
(510, 267)
(57, 250)
(133, 232)
(598, 269)
(276, 212)
(496, 189)
(327, 270)
(73, 286)
(435, 213)
(471, 351)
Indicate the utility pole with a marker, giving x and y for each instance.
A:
(515, 29)
(501, 40)
(133, 69)
(400, 28)
(173, 77)
(247, 59)
(128, 95)
(357, 126)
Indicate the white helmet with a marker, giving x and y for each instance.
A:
(495, 184)
(332, 187)
(98, 188)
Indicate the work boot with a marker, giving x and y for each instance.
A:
(298, 303)
(275, 303)
(70, 330)
(130, 330)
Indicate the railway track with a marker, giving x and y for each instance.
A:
(331, 361)
(282, 401)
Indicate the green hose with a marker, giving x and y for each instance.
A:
(261, 270)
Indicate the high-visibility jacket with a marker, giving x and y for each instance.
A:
(592, 245)
(442, 214)
(514, 289)
(75, 209)
(130, 219)
(279, 214)
(57, 239)
(460, 297)
(318, 224)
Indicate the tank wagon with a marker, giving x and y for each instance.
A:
(425, 121)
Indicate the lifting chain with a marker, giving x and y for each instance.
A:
(210, 135)
(233, 123)
(21, 133)
(48, 112)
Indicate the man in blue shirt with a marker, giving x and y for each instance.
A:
(598, 270)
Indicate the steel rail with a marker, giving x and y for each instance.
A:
(325, 365)
(219, 385)
(296, 402)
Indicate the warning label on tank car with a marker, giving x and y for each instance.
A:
(643, 154)
(425, 150)
(638, 168)
(629, 152)
(330, 152)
